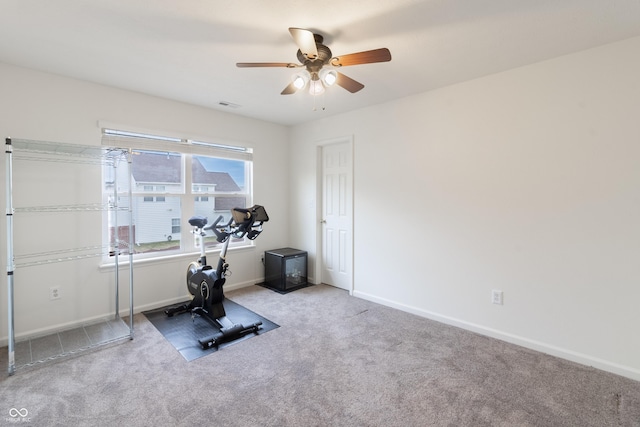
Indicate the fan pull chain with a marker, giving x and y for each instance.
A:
(314, 102)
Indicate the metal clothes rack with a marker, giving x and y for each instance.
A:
(74, 154)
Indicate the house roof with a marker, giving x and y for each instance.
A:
(156, 168)
(228, 203)
(160, 168)
(222, 180)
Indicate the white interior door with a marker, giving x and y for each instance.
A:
(337, 215)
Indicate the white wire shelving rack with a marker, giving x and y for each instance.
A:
(23, 149)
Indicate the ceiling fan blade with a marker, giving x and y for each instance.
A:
(305, 41)
(348, 83)
(267, 64)
(366, 57)
(289, 89)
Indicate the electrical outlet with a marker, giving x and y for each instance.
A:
(496, 297)
(54, 293)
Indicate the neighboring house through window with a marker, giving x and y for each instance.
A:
(166, 193)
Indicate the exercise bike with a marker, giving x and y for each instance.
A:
(205, 284)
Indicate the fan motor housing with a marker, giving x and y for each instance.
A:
(324, 55)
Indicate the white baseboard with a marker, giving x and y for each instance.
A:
(229, 287)
(4, 340)
(41, 332)
(583, 359)
(185, 297)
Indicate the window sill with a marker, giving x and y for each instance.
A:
(124, 259)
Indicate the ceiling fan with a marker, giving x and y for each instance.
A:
(314, 57)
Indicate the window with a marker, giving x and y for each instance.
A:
(175, 225)
(172, 180)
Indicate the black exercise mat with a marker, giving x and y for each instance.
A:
(183, 331)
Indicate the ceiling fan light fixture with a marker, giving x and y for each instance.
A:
(298, 82)
(328, 77)
(313, 56)
(300, 79)
(316, 87)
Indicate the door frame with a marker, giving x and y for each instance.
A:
(319, 207)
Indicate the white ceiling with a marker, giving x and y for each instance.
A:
(186, 50)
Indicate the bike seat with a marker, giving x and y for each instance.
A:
(198, 221)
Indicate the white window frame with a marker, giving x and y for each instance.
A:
(151, 141)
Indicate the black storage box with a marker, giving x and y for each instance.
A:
(285, 269)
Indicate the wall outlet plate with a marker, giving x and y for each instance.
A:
(497, 297)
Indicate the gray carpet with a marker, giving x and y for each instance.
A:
(335, 361)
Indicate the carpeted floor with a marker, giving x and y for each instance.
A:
(335, 360)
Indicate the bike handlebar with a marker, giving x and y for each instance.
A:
(219, 230)
(251, 227)
(214, 224)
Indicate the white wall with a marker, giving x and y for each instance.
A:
(42, 106)
(527, 181)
